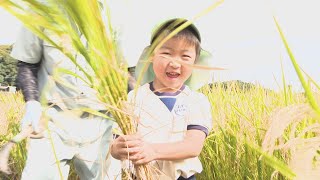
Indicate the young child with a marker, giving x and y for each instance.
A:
(173, 119)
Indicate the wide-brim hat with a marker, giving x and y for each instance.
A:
(199, 77)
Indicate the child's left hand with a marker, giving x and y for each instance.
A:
(134, 148)
(144, 154)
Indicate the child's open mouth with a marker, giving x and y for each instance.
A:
(173, 74)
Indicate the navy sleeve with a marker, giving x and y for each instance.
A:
(27, 80)
(198, 127)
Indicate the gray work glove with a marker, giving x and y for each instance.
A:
(32, 115)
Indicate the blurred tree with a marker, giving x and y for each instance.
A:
(8, 66)
(236, 85)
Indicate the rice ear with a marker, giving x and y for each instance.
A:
(305, 159)
(281, 119)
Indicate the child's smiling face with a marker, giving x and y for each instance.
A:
(170, 64)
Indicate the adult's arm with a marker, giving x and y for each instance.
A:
(28, 51)
(27, 80)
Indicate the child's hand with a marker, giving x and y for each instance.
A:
(125, 146)
(133, 147)
(144, 153)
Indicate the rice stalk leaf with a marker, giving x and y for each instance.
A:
(67, 71)
(270, 160)
(311, 79)
(97, 113)
(284, 84)
(273, 162)
(305, 86)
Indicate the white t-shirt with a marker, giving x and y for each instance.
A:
(157, 124)
(31, 49)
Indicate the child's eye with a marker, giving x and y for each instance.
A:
(186, 57)
(165, 55)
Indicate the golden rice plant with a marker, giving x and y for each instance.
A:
(233, 149)
(295, 131)
(11, 105)
(256, 134)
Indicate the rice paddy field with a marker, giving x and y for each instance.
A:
(258, 134)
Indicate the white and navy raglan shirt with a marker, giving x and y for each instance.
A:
(166, 117)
